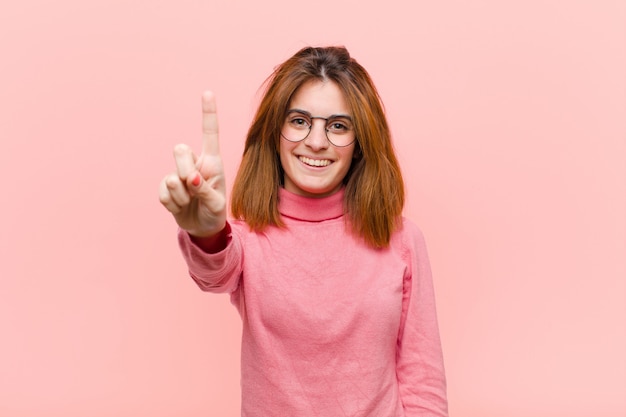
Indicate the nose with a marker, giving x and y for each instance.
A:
(317, 138)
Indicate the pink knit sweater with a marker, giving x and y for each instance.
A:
(331, 327)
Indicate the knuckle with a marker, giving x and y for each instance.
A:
(181, 199)
(172, 182)
(164, 199)
(181, 149)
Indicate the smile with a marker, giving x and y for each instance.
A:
(315, 162)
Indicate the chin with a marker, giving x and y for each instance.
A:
(318, 191)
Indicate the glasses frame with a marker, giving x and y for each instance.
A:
(325, 119)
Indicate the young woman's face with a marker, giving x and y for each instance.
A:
(314, 167)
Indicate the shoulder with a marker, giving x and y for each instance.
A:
(408, 235)
(408, 241)
(239, 228)
(242, 232)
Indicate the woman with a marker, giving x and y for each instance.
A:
(332, 284)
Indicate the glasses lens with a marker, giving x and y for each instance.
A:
(339, 131)
(296, 127)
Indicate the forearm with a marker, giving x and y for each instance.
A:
(214, 263)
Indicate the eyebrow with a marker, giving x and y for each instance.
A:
(332, 116)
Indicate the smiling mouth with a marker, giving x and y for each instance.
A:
(315, 162)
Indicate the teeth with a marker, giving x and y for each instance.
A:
(315, 162)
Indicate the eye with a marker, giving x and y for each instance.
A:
(339, 126)
(299, 122)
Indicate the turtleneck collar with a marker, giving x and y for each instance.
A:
(308, 208)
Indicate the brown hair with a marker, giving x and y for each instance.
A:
(374, 194)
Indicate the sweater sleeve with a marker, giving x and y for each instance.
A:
(420, 369)
(217, 272)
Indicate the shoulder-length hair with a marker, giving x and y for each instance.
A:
(374, 189)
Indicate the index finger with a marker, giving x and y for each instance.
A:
(210, 142)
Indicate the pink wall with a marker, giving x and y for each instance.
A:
(509, 117)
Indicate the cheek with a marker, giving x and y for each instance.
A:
(348, 155)
(348, 160)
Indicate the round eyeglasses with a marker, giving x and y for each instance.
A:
(299, 123)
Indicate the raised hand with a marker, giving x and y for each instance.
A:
(196, 193)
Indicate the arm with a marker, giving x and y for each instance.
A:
(420, 369)
(195, 194)
(215, 262)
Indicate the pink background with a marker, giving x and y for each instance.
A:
(509, 118)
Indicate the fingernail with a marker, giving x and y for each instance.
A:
(196, 180)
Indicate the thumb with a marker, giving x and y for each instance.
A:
(196, 180)
(199, 187)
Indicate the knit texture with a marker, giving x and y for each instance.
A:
(331, 326)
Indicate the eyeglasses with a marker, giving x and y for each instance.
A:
(299, 123)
